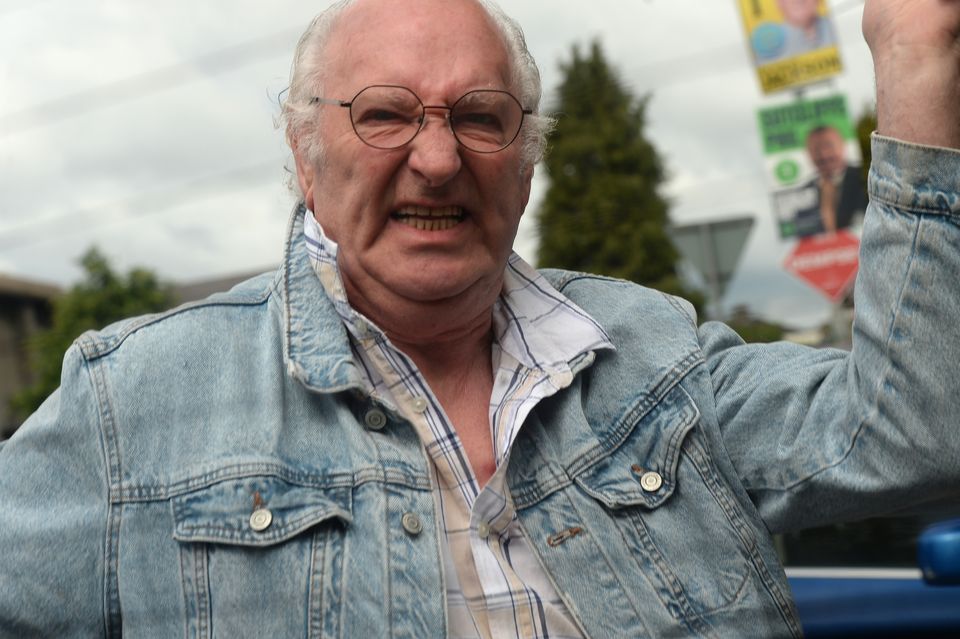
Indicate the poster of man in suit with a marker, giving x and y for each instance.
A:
(840, 198)
(814, 166)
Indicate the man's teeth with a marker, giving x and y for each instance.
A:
(430, 219)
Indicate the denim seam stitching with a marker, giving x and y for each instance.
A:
(207, 532)
(111, 460)
(600, 547)
(682, 609)
(625, 424)
(877, 395)
(145, 493)
(315, 594)
(102, 346)
(714, 484)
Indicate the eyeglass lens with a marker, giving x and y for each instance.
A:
(389, 117)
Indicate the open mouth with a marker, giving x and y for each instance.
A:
(425, 218)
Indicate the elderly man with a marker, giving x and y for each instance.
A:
(407, 431)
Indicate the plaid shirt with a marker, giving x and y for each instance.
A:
(495, 585)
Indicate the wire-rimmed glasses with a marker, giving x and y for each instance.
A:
(389, 117)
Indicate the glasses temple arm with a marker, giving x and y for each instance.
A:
(342, 103)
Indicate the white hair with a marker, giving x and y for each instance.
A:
(300, 115)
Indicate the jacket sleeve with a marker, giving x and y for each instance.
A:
(825, 435)
(53, 516)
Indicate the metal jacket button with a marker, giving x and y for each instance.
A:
(261, 519)
(411, 523)
(375, 419)
(651, 481)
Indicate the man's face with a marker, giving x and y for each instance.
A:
(799, 13)
(382, 206)
(827, 152)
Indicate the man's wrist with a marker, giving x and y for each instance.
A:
(917, 99)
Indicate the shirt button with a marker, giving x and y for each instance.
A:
(375, 419)
(420, 405)
(260, 519)
(651, 481)
(411, 523)
(483, 529)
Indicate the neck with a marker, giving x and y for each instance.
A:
(459, 370)
(452, 350)
(451, 363)
(450, 342)
(443, 337)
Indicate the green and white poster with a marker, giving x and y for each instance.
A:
(813, 166)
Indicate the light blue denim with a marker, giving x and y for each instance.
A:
(126, 500)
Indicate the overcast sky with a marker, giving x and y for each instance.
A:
(146, 128)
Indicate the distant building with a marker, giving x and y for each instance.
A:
(25, 308)
(198, 290)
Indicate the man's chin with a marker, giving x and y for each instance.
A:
(436, 284)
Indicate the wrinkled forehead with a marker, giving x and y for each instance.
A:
(437, 42)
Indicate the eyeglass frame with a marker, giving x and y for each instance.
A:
(348, 104)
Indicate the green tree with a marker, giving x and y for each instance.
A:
(753, 329)
(866, 124)
(602, 212)
(102, 297)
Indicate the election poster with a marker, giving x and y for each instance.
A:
(793, 42)
(813, 166)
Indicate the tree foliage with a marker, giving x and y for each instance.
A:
(753, 329)
(866, 124)
(602, 212)
(102, 297)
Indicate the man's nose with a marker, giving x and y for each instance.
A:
(435, 151)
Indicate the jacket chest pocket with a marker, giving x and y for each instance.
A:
(261, 556)
(661, 492)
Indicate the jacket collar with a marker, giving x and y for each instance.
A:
(316, 350)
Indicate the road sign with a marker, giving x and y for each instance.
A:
(827, 262)
(714, 249)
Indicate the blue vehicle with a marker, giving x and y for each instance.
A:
(873, 591)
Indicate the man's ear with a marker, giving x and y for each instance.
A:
(527, 178)
(306, 173)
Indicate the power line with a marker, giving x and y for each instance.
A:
(146, 83)
(136, 206)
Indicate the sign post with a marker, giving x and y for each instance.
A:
(714, 249)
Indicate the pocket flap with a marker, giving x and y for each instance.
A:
(223, 512)
(641, 468)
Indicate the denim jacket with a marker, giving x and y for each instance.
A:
(216, 471)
